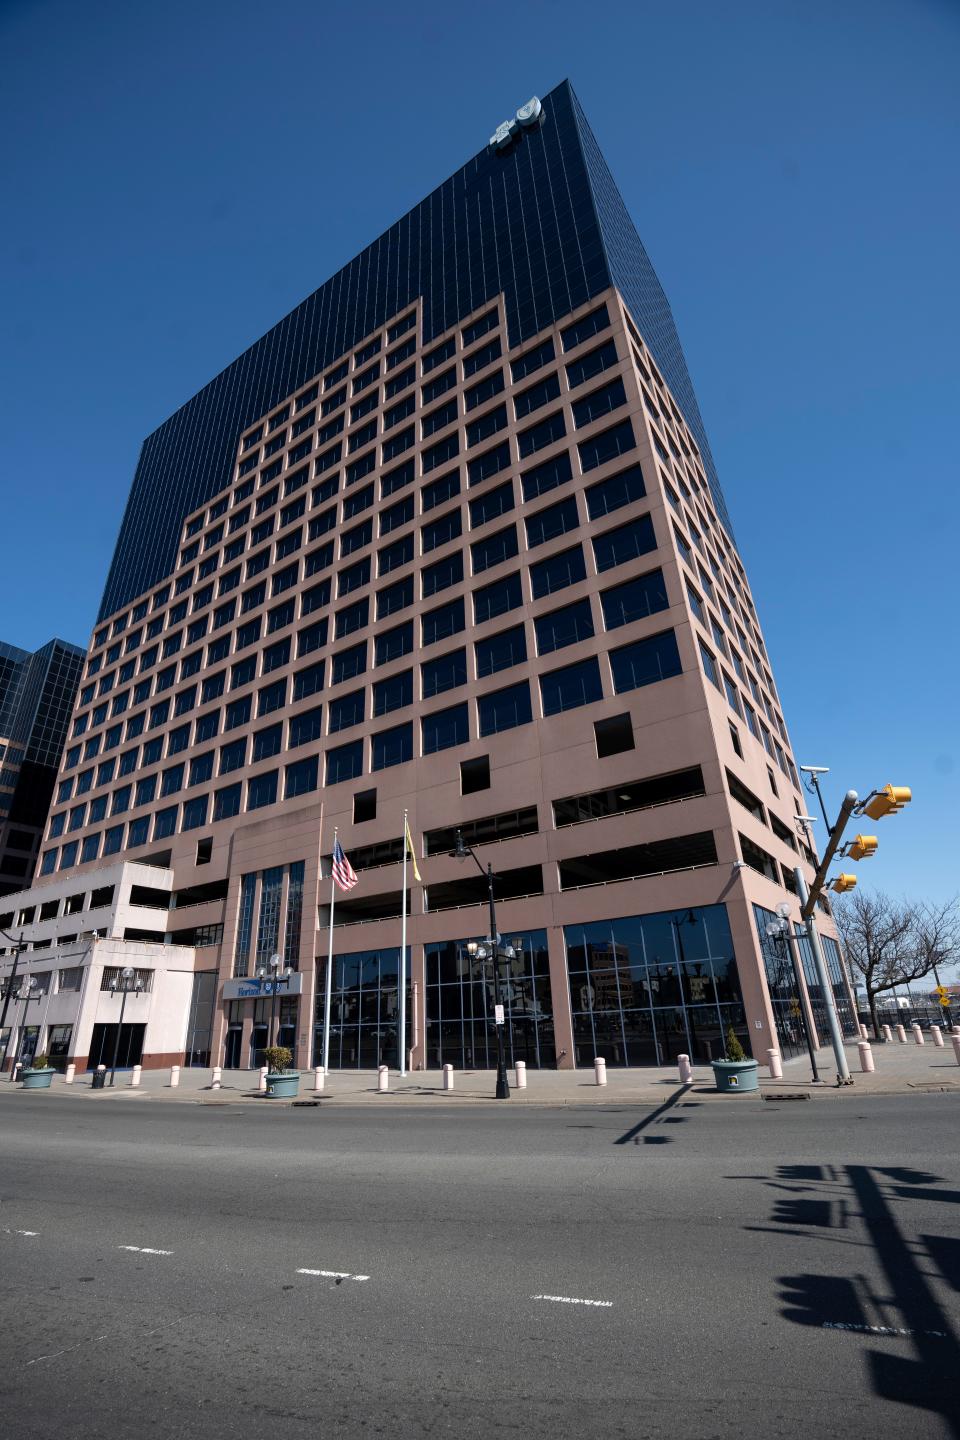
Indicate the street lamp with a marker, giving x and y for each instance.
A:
(128, 983)
(276, 980)
(492, 950)
(18, 949)
(782, 931)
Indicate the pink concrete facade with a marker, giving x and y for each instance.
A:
(727, 724)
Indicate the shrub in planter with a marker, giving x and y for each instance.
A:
(736, 1071)
(278, 1059)
(282, 1082)
(40, 1062)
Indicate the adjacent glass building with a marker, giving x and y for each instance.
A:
(37, 691)
(449, 539)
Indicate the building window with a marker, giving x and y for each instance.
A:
(616, 547)
(505, 709)
(195, 812)
(534, 359)
(445, 673)
(437, 492)
(614, 493)
(393, 694)
(539, 436)
(618, 440)
(557, 572)
(581, 330)
(497, 599)
(564, 627)
(393, 644)
(441, 532)
(345, 762)
(444, 621)
(599, 403)
(266, 743)
(645, 662)
(591, 364)
(262, 790)
(494, 549)
(393, 747)
(395, 597)
(571, 687)
(306, 727)
(548, 524)
(165, 823)
(301, 777)
(445, 728)
(226, 802)
(346, 711)
(634, 600)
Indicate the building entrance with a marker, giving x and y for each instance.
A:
(104, 1039)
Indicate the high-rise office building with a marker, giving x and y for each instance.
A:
(449, 540)
(37, 691)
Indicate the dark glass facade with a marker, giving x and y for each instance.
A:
(37, 692)
(542, 222)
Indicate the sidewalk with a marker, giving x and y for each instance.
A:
(900, 1070)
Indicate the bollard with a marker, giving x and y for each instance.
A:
(917, 1034)
(263, 1079)
(901, 1035)
(685, 1069)
(864, 1034)
(174, 1076)
(956, 1046)
(448, 1077)
(383, 1079)
(521, 1074)
(887, 1033)
(773, 1062)
(135, 1076)
(318, 1078)
(937, 1034)
(217, 1077)
(70, 1073)
(16, 1070)
(955, 1030)
(866, 1057)
(600, 1070)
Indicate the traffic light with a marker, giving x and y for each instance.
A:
(888, 801)
(861, 847)
(842, 883)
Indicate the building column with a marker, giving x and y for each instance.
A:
(560, 998)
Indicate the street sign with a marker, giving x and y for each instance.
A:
(498, 1014)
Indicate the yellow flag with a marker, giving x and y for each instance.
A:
(413, 854)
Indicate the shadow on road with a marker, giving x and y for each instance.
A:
(856, 1205)
(635, 1136)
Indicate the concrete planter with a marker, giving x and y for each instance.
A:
(733, 1076)
(283, 1087)
(36, 1079)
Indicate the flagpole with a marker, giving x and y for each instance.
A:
(403, 959)
(328, 986)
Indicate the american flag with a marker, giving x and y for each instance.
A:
(343, 872)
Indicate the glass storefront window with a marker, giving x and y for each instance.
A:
(460, 1028)
(364, 1010)
(647, 988)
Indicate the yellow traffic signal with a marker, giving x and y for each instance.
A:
(888, 801)
(842, 883)
(862, 847)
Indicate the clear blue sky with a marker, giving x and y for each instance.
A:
(178, 176)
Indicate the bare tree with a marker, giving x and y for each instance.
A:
(893, 942)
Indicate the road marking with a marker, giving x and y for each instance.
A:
(144, 1250)
(881, 1329)
(21, 1232)
(573, 1300)
(333, 1274)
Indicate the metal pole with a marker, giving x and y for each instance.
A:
(402, 1029)
(823, 809)
(836, 1037)
(328, 985)
(503, 1085)
(793, 949)
(17, 951)
(116, 1043)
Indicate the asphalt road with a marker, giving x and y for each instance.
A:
(770, 1269)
